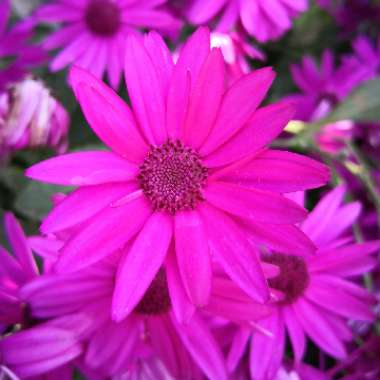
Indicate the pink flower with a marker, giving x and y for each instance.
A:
(264, 20)
(14, 46)
(15, 271)
(189, 169)
(94, 31)
(30, 117)
(318, 296)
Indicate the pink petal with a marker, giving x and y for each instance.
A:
(19, 243)
(349, 260)
(202, 347)
(279, 171)
(193, 257)
(140, 264)
(284, 238)
(145, 91)
(107, 231)
(205, 100)
(82, 204)
(84, 168)
(115, 124)
(318, 329)
(296, 333)
(202, 11)
(237, 257)
(267, 351)
(238, 105)
(238, 347)
(182, 307)
(10, 269)
(256, 205)
(263, 127)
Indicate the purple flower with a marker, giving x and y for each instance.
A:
(15, 48)
(318, 296)
(30, 117)
(264, 20)
(94, 31)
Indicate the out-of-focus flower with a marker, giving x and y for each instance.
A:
(324, 87)
(191, 161)
(236, 52)
(264, 20)
(30, 117)
(94, 31)
(17, 55)
(350, 14)
(15, 271)
(318, 296)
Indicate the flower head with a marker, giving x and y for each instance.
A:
(318, 296)
(19, 56)
(189, 171)
(94, 31)
(31, 117)
(264, 20)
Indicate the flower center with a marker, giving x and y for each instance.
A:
(103, 17)
(172, 177)
(293, 278)
(156, 299)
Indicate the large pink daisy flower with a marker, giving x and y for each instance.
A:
(318, 296)
(186, 169)
(94, 31)
(264, 20)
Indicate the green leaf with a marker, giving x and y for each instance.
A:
(362, 105)
(34, 201)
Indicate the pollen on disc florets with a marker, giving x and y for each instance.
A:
(103, 17)
(293, 278)
(172, 177)
(156, 299)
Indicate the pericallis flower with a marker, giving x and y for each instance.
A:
(318, 294)
(30, 117)
(189, 169)
(17, 55)
(94, 31)
(264, 20)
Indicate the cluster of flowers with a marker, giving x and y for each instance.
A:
(185, 250)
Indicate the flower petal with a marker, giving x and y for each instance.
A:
(252, 204)
(296, 333)
(193, 257)
(140, 264)
(238, 105)
(108, 115)
(83, 168)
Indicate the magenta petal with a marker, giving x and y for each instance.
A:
(193, 257)
(285, 238)
(237, 257)
(82, 204)
(279, 171)
(140, 264)
(238, 347)
(182, 307)
(264, 126)
(83, 168)
(318, 329)
(108, 115)
(202, 11)
(107, 231)
(267, 351)
(19, 243)
(205, 351)
(252, 204)
(296, 334)
(145, 90)
(205, 100)
(238, 105)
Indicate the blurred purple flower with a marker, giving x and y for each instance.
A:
(93, 33)
(30, 117)
(15, 50)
